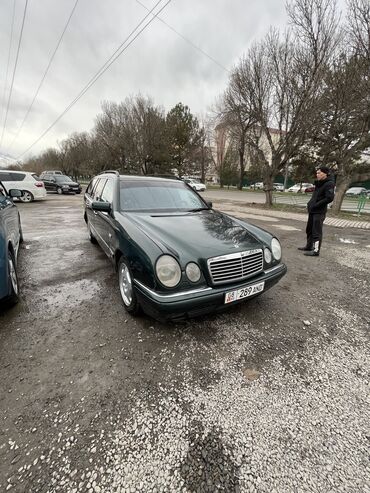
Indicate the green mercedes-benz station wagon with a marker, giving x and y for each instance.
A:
(177, 257)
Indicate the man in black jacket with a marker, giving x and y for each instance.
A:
(317, 207)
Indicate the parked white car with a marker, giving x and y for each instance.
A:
(356, 191)
(301, 187)
(195, 184)
(29, 183)
(278, 187)
(258, 186)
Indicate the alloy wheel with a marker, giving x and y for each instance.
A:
(125, 284)
(13, 275)
(26, 197)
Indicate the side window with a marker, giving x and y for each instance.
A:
(17, 176)
(98, 189)
(5, 176)
(107, 195)
(91, 186)
(2, 193)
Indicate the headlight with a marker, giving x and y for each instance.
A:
(168, 271)
(193, 272)
(276, 249)
(268, 256)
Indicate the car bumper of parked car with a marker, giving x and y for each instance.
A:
(188, 304)
(39, 193)
(69, 189)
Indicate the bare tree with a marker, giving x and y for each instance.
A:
(279, 81)
(359, 26)
(236, 113)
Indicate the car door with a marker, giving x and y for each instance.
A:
(9, 233)
(47, 183)
(104, 222)
(93, 216)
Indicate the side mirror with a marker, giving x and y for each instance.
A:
(15, 193)
(101, 206)
(209, 204)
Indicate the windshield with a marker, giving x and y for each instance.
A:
(158, 196)
(62, 178)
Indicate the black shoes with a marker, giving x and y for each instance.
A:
(305, 248)
(311, 253)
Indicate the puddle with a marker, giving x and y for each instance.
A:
(286, 228)
(346, 240)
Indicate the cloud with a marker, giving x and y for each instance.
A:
(159, 63)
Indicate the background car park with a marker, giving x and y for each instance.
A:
(29, 183)
(10, 239)
(60, 184)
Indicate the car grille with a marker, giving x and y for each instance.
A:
(235, 266)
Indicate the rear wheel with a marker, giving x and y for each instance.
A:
(26, 197)
(12, 281)
(126, 288)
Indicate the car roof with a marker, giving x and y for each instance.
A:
(18, 171)
(144, 178)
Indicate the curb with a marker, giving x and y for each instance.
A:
(227, 206)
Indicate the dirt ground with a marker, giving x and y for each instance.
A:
(93, 399)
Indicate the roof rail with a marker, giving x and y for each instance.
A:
(109, 171)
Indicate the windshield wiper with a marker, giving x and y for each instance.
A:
(198, 209)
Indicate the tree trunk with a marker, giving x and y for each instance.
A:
(241, 167)
(341, 187)
(268, 181)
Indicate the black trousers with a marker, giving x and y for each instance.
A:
(314, 230)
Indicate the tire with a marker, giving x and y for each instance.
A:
(91, 236)
(13, 297)
(59, 191)
(27, 196)
(126, 288)
(20, 233)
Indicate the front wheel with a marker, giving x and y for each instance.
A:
(26, 197)
(126, 288)
(59, 191)
(12, 281)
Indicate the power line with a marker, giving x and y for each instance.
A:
(187, 40)
(10, 46)
(15, 68)
(45, 73)
(121, 49)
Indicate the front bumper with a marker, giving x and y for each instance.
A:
(188, 304)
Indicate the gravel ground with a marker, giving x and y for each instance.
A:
(271, 396)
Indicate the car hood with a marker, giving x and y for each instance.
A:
(195, 235)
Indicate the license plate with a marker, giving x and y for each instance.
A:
(238, 294)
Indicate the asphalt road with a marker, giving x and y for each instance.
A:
(258, 197)
(271, 396)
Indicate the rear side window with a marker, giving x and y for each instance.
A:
(91, 186)
(107, 194)
(99, 188)
(5, 176)
(17, 176)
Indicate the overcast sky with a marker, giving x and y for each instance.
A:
(159, 63)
